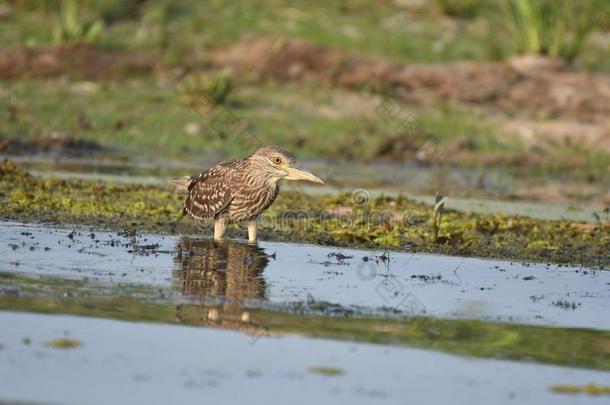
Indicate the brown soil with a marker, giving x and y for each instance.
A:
(80, 60)
(564, 193)
(54, 143)
(541, 86)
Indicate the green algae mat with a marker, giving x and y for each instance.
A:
(382, 222)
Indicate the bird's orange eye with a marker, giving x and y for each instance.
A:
(277, 160)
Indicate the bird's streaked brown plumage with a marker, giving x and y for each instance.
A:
(239, 190)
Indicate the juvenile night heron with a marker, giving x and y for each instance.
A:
(239, 190)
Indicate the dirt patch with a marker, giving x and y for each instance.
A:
(55, 143)
(541, 86)
(81, 60)
(561, 133)
(538, 85)
(465, 157)
(564, 193)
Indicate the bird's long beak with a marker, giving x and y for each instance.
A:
(296, 173)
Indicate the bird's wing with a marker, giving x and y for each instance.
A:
(209, 193)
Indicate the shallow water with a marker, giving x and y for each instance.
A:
(242, 300)
(279, 276)
(113, 364)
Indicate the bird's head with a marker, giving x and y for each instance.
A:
(277, 163)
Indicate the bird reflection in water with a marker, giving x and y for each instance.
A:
(221, 278)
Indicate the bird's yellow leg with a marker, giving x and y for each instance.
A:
(252, 231)
(219, 228)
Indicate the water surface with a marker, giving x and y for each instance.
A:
(280, 275)
(113, 364)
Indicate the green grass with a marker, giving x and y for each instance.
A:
(461, 8)
(380, 28)
(153, 117)
(147, 115)
(71, 25)
(547, 27)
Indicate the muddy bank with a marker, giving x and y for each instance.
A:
(382, 222)
(55, 143)
(539, 86)
(81, 60)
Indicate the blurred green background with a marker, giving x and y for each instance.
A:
(517, 85)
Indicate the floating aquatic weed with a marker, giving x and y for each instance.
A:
(327, 371)
(590, 389)
(63, 343)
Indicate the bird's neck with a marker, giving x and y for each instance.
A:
(272, 181)
(267, 179)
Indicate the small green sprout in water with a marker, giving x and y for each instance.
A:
(63, 343)
(589, 389)
(327, 371)
(439, 208)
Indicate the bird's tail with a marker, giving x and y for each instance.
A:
(182, 184)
